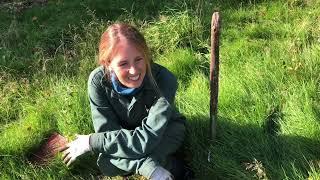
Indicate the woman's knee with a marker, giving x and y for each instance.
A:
(107, 168)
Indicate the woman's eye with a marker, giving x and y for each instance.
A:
(122, 64)
(139, 59)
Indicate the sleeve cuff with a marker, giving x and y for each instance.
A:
(96, 142)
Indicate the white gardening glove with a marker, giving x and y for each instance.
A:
(161, 173)
(75, 148)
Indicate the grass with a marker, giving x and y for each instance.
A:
(269, 110)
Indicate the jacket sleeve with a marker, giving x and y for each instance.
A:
(112, 139)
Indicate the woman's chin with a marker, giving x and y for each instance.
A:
(134, 84)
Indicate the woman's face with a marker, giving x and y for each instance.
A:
(128, 64)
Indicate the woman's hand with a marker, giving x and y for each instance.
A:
(75, 148)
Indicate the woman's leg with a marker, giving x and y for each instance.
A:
(107, 168)
(171, 141)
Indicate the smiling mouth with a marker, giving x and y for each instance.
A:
(134, 78)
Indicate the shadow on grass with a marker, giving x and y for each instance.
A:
(247, 151)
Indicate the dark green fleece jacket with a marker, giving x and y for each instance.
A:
(131, 126)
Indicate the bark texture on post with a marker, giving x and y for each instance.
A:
(214, 73)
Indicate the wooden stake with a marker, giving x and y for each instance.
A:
(214, 73)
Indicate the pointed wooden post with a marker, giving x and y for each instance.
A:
(214, 73)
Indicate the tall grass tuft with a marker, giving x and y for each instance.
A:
(21, 136)
(176, 30)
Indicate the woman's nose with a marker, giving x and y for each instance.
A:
(132, 69)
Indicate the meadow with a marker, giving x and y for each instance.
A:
(269, 96)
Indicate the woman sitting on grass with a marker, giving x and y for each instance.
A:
(137, 129)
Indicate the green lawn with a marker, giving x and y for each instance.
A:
(269, 96)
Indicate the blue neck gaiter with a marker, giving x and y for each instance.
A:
(119, 88)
